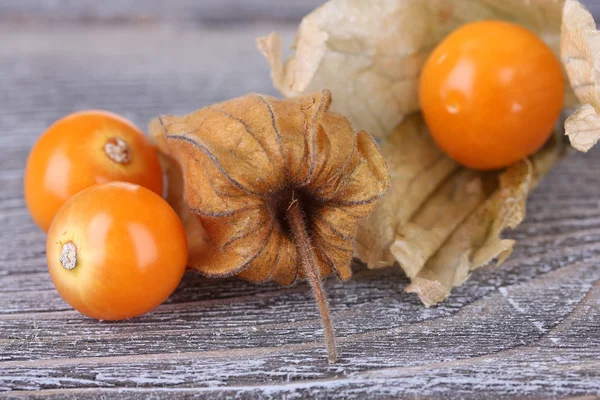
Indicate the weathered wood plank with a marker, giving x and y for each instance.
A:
(431, 360)
(152, 11)
(529, 328)
(172, 11)
(270, 319)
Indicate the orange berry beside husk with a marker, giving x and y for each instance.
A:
(491, 93)
(84, 149)
(116, 250)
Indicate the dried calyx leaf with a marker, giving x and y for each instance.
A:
(580, 52)
(278, 187)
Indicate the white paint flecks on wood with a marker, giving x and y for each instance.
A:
(530, 328)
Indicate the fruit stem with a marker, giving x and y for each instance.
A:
(117, 150)
(311, 269)
(68, 256)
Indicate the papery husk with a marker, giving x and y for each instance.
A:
(230, 164)
(439, 221)
(197, 237)
(457, 214)
(370, 53)
(580, 53)
(484, 207)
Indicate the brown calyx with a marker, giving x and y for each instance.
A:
(278, 186)
(281, 202)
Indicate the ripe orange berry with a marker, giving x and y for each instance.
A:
(84, 149)
(116, 250)
(491, 93)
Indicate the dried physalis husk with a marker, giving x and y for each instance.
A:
(444, 220)
(439, 221)
(580, 52)
(278, 187)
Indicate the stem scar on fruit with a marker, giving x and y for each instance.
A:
(279, 187)
(116, 250)
(117, 150)
(68, 255)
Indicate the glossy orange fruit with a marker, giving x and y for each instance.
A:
(116, 250)
(84, 149)
(491, 93)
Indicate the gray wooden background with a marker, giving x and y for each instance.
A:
(530, 328)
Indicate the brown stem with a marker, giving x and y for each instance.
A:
(311, 269)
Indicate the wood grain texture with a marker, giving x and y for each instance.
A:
(208, 12)
(530, 328)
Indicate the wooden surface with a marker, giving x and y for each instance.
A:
(530, 328)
